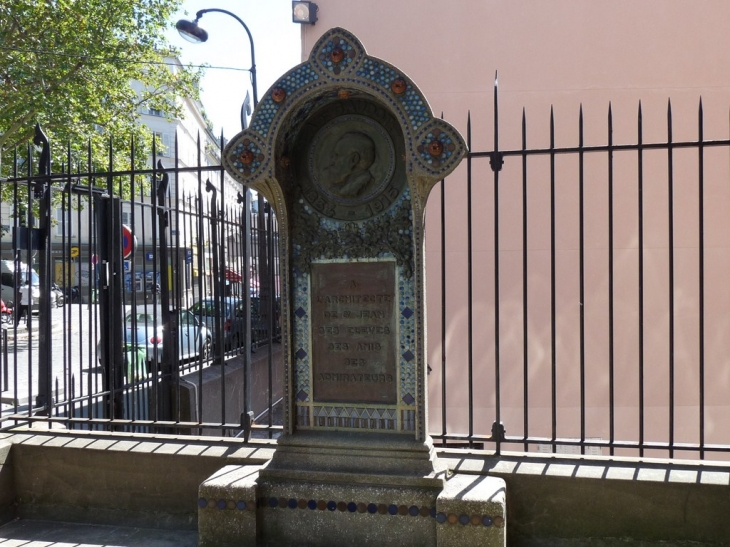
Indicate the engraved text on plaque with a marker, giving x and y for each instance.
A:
(354, 332)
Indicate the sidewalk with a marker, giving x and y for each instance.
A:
(44, 533)
(23, 333)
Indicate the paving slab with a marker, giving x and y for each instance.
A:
(36, 533)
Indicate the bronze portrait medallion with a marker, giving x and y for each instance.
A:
(348, 168)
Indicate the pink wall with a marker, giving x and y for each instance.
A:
(562, 54)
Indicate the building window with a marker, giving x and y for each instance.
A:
(64, 223)
(127, 218)
(155, 112)
(163, 144)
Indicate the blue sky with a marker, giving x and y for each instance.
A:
(277, 46)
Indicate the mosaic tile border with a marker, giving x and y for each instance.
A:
(391, 509)
(339, 59)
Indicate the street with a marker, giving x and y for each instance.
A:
(74, 368)
(76, 373)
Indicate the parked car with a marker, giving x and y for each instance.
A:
(232, 316)
(233, 320)
(144, 336)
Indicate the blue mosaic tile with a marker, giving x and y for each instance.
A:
(241, 505)
(408, 356)
(407, 313)
(333, 47)
(268, 108)
(302, 395)
(202, 503)
(222, 504)
(300, 312)
(408, 399)
(301, 354)
(434, 141)
(372, 508)
(246, 157)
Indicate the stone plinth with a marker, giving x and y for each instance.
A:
(471, 511)
(227, 507)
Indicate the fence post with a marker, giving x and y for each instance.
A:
(168, 364)
(42, 191)
(109, 235)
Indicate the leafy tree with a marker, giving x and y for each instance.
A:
(68, 65)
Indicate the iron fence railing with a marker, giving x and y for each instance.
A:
(168, 283)
(577, 295)
(590, 315)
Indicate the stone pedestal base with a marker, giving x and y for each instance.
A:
(471, 511)
(227, 507)
(351, 491)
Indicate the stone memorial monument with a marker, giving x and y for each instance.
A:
(346, 150)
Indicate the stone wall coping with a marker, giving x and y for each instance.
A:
(171, 445)
(593, 467)
(475, 462)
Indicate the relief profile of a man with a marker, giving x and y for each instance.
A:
(348, 171)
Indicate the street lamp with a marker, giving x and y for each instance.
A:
(193, 33)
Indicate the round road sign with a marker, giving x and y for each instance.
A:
(129, 242)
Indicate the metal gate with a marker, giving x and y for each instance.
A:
(156, 297)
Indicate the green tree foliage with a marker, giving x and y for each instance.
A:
(68, 65)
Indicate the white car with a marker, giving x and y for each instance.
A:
(144, 336)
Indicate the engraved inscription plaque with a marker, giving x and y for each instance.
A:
(353, 332)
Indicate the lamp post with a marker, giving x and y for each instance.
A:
(193, 33)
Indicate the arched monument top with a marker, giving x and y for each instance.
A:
(339, 69)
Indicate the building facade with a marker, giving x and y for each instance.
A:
(627, 71)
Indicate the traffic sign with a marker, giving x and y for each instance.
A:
(129, 242)
(74, 252)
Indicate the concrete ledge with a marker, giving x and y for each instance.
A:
(227, 507)
(471, 512)
(141, 481)
(7, 487)
(153, 481)
(609, 499)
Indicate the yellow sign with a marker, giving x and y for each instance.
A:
(74, 252)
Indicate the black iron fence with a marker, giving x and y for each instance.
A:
(577, 298)
(583, 302)
(152, 288)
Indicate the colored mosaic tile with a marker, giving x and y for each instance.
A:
(246, 156)
(410, 99)
(270, 105)
(336, 55)
(224, 504)
(390, 509)
(436, 147)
